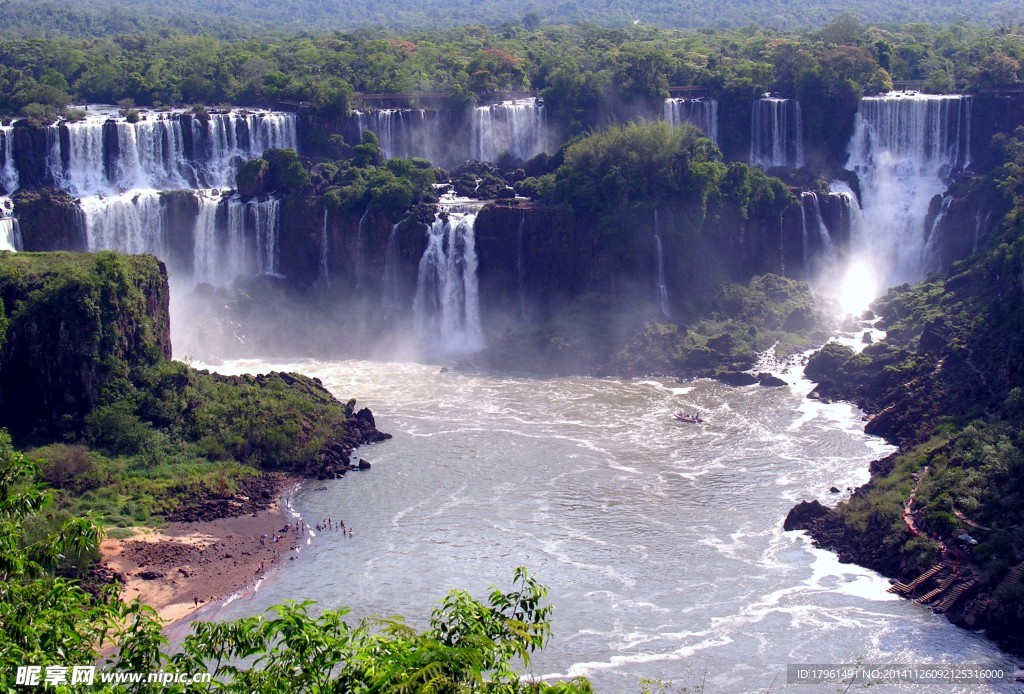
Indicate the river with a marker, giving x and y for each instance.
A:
(661, 542)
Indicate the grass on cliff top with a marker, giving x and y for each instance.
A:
(133, 490)
(172, 432)
(65, 264)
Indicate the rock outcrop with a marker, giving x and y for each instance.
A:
(50, 220)
(76, 322)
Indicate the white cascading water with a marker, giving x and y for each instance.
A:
(928, 253)
(361, 238)
(904, 150)
(227, 137)
(151, 154)
(815, 234)
(390, 299)
(521, 268)
(859, 284)
(776, 133)
(265, 215)
(54, 163)
(236, 240)
(8, 169)
(517, 127)
(136, 222)
(10, 233)
(104, 154)
(446, 309)
(133, 222)
(210, 261)
(702, 113)
(404, 133)
(325, 272)
(661, 287)
(85, 173)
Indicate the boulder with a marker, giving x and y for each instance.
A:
(736, 378)
(803, 514)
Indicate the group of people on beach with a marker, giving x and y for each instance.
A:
(329, 524)
(323, 526)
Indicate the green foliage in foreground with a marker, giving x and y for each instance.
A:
(470, 645)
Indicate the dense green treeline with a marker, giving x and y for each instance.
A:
(92, 17)
(579, 69)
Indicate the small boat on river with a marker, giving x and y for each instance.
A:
(689, 418)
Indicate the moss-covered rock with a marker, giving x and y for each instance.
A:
(76, 322)
(250, 179)
(50, 220)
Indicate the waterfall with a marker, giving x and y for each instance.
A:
(224, 138)
(236, 247)
(805, 239)
(661, 287)
(521, 267)
(815, 232)
(209, 262)
(151, 154)
(361, 232)
(776, 133)
(8, 170)
(136, 222)
(702, 113)
(390, 299)
(405, 133)
(259, 219)
(325, 274)
(928, 257)
(131, 223)
(54, 161)
(446, 309)
(904, 150)
(103, 154)
(10, 234)
(516, 127)
(86, 167)
(266, 222)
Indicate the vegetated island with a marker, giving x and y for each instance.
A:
(945, 514)
(118, 429)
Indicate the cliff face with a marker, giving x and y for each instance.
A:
(541, 257)
(76, 321)
(181, 211)
(30, 151)
(50, 220)
(947, 386)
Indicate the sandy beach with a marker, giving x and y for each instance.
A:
(183, 567)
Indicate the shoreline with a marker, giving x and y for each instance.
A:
(186, 569)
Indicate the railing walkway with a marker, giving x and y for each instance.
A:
(1011, 579)
(908, 588)
(952, 596)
